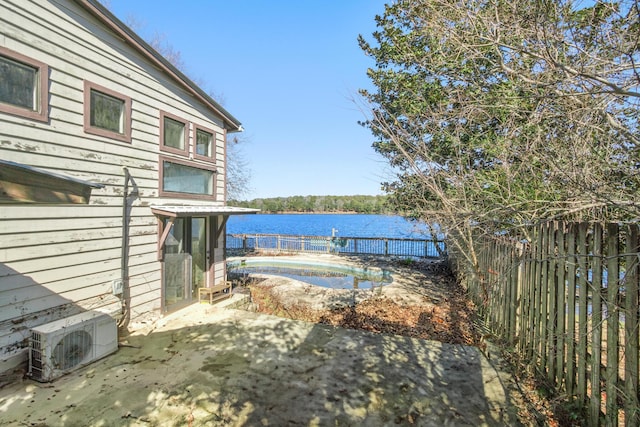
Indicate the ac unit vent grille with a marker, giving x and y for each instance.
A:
(35, 355)
(71, 350)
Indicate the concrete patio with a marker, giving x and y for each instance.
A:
(214, 366)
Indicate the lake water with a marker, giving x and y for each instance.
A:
(323, 224)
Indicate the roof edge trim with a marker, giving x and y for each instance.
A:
(207, 210)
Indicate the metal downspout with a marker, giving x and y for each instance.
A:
(124, 255)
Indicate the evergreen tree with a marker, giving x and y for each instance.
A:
(499, 114)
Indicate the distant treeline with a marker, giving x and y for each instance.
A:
(318, 204)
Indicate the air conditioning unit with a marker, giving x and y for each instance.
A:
(64, 345)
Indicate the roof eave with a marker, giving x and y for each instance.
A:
(20, 184)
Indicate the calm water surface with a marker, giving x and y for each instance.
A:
(322, 225)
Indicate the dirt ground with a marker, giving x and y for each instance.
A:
(215, 366)
(423, 301)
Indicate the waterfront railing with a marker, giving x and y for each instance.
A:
(385, 246)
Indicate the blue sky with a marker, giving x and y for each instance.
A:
(290, 72)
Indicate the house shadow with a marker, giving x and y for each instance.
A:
(230, 367)
(25, 304)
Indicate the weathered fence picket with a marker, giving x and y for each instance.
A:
(552, 318)
(632, 407)
(561, 300)
(583, 288)
(544, 298)
(514, 287)
(596, 337)
(568, 303)
(612, 325)
(570, 328)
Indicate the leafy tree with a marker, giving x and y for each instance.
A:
(497, 114)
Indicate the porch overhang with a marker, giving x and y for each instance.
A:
(180, 211)
(25, 184)
(200, 210)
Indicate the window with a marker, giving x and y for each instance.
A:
(174, 134)
(186, 179)
(24, 87)
(186, 162)
(204, 144)
(106, 112)
(19, 84)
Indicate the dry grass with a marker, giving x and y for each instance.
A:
(451, 321)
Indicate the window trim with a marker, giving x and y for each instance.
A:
(124, 137)
(42, 105)
(211, 159)
(185, 151)
(183, 162)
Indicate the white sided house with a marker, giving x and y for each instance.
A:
(112, 174)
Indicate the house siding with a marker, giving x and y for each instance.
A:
(56, 260)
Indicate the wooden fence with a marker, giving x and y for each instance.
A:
(423, 248)
(567, 303)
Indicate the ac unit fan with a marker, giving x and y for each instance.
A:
(70, 343)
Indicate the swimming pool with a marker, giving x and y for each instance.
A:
(325, 274)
